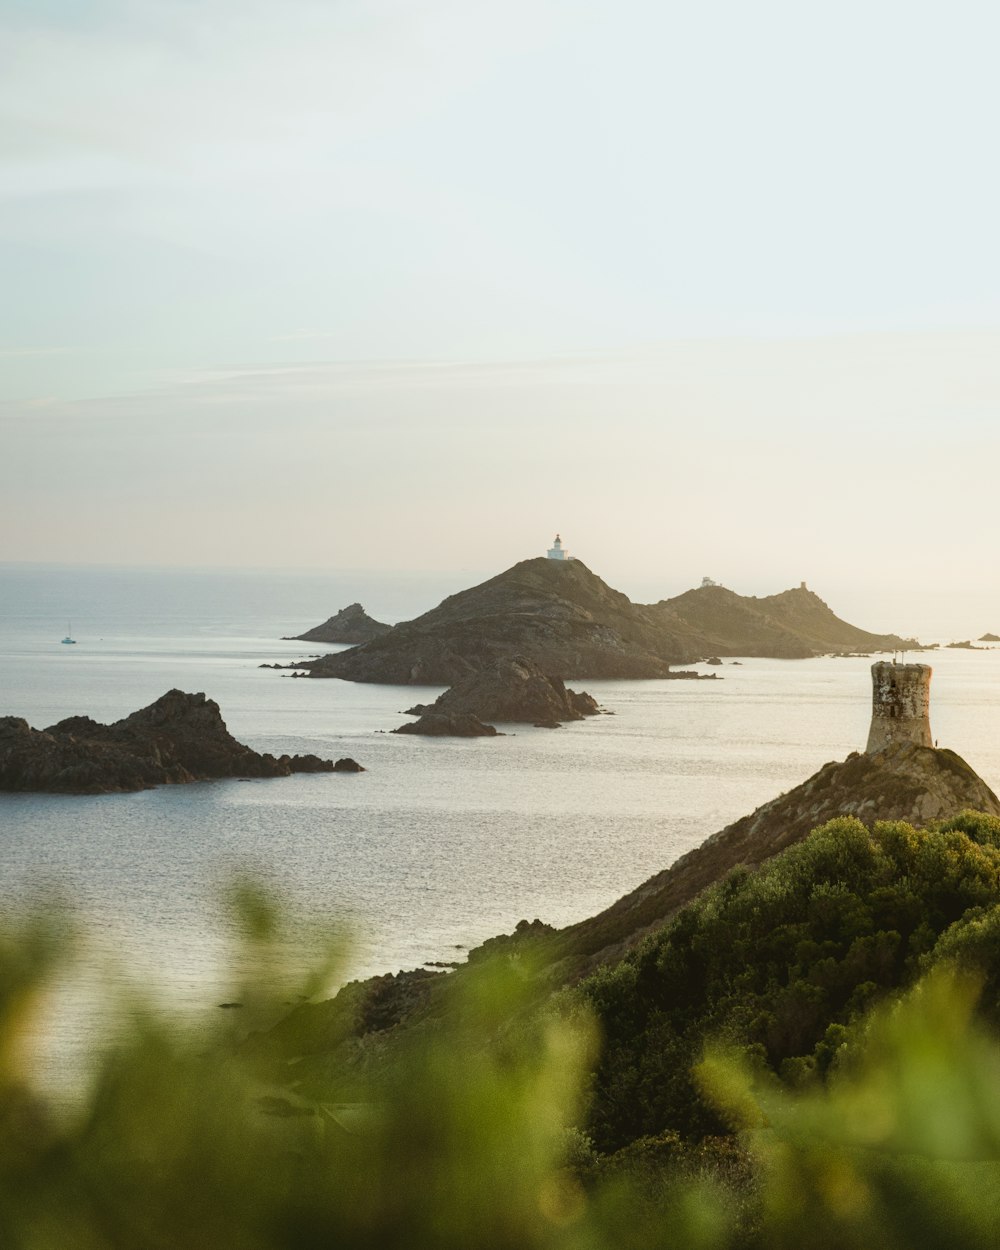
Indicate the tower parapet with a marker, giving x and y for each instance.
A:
(901, 698)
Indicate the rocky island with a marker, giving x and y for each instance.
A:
(351, 625)
(179, 738)
(572, 625)
(512, 690)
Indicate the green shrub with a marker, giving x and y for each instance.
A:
(778, 961)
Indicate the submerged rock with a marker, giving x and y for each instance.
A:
(179, 738)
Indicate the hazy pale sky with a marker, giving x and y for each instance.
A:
(710, 288)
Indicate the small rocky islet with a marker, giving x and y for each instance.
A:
(512, 690)
(351, 625)
(179, 738)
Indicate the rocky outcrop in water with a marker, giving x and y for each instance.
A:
(350, 625)
(569, 622)
(512, 690)
(179, 738)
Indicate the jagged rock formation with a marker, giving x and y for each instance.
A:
(179, 738)
(989, 638)
(905, 782)
(565, 619)
(350, 625)
(511, 690)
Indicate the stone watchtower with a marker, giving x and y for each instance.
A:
(901, 697)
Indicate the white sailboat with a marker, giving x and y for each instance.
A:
(69, 640)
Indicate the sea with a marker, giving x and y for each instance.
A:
(439, 843)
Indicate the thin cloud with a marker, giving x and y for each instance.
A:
(15, 353)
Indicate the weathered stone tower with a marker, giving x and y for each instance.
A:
(901, 697)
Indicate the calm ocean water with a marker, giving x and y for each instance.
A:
(440, 844)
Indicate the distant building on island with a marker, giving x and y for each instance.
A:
(556, 551)
(707, 581)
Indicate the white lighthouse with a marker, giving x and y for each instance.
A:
(556, 551)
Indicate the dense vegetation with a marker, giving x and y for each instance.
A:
(781, 962)
(751, 1090)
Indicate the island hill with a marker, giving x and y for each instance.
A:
(562, 617)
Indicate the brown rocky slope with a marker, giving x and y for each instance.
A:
(569, 622)
(558, 614)
(905, 782)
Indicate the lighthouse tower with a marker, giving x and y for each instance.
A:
(556, 551)
(901, 696)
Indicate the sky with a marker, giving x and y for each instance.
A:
(712, 289)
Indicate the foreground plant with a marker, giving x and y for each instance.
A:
(470, 1137)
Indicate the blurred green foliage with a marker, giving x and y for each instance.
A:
(479, 1129)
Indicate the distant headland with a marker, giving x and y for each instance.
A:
(558, 614)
